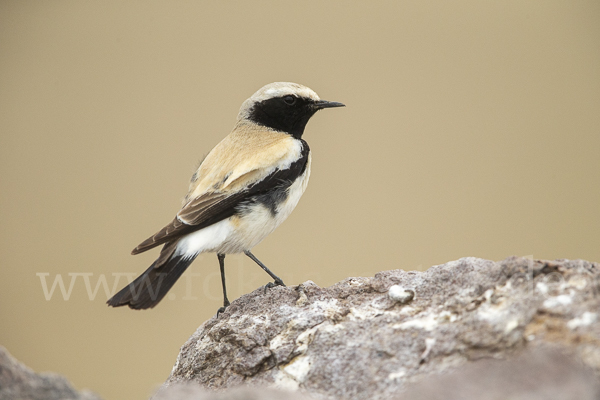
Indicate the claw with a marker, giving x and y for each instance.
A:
(222, 309)
(278, 282)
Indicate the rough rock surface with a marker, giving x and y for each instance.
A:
(19, 382)
(190, 391)
(369, 338)
(537, 374)
(541, 373)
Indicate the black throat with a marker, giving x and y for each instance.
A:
(276, 114)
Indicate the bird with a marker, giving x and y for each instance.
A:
(245, 187)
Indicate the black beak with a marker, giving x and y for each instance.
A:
(321, 104)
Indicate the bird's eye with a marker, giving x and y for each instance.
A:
(289, 100)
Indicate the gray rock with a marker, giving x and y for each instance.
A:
(537, 374)
(355, 340)
(19, 382)
(191, 391)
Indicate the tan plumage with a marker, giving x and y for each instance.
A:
(248, 154)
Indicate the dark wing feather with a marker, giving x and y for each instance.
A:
(211, 208)
(197, 214)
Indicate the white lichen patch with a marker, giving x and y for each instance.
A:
(298, 369)
(397, 375)
(205, 342)
(305, 338)
(261, 320)
(578, 282)
(541, 287)
(490, 313)
(356, 282)
(429, 343)
(587, 318)
(328, 308)
(493, 312)
(407, 310)
(363, 313)
(511, 325)
(488, 294)
(285, 382)
(428, 323)
(331, 328)
(557, 301)
(279, 340)
(284, 337)
(447, 316)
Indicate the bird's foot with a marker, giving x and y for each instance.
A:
(278, 282)
(222, 309)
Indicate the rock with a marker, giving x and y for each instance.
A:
(19, 382)
(537, 374)
(190, 391)
(357, 340)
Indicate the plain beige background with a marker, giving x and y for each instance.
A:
(472, 128)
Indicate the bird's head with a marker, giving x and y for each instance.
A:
(283, 106)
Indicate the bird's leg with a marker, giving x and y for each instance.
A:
(278, 281)
(225, 299)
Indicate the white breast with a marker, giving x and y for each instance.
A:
(250, 229)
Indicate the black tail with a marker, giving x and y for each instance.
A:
(148, 289)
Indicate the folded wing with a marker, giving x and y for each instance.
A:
(213, 206)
